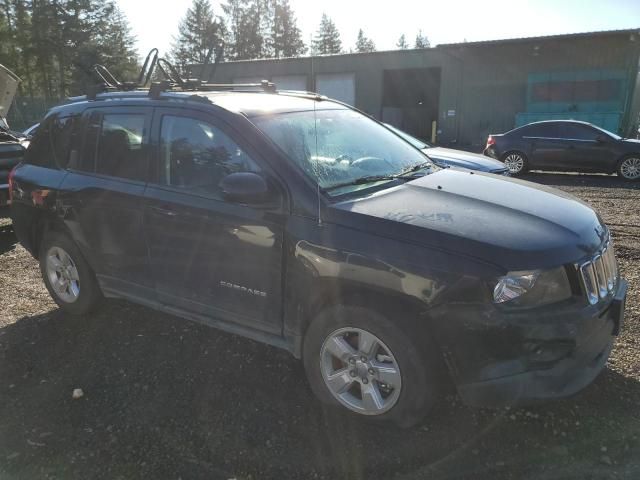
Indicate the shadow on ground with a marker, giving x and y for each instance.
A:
(165, 398)
(8, 240)
(579, 180)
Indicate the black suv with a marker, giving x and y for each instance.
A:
(566, 145)
(302, 223)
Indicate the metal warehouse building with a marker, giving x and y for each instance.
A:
(461, 92)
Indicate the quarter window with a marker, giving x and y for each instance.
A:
(196, 155)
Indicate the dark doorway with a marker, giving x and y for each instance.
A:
(410, 99)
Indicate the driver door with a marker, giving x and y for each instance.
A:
(208, 255)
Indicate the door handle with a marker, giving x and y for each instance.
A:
(164, 211)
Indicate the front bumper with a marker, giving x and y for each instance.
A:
(553, 356)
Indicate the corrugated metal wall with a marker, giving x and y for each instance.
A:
(483, 85)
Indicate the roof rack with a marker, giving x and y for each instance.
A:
(173, 81)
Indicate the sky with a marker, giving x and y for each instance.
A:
(154, 22)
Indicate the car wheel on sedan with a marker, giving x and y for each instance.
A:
(67, 275)
(516, 162)
(356, 358)
(629, 168)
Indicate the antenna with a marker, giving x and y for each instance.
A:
(315, 131)
(218, 59)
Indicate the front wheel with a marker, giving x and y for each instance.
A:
(516, 162)
(629, 168)
(357, 359)
(67, 275)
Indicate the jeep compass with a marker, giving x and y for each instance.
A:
(300, 222)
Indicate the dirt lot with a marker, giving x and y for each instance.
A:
(166, 398)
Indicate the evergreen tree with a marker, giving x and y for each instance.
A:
(422, 41)
(327, 40)
(286, 36)
(364, 44)
(249, 27)
(402, 43)
(198, 32)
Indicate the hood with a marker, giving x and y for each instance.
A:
(459, 158)
(510, 223)
(8, 87)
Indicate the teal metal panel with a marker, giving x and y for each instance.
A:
(601, 90)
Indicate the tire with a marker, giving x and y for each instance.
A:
(77, 290)
(406, 397)
(516, 162)
(629, 168)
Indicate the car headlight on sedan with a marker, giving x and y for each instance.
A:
(532, 288)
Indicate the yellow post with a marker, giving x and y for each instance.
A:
(434, 126)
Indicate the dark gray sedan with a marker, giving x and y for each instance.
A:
(448, 157)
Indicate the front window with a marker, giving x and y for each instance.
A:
(336, 147)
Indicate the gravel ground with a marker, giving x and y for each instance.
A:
(166, 398)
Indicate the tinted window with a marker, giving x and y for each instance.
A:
(196, 155)
(114, 146)
(63, 133)
(545, 130)
(579, 132)
(39, 152)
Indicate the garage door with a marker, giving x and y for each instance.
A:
(341, 86)
(290, 82)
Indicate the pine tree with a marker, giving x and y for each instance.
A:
(402, 43)
(198, 32)
(327, 40)
(422, 41)
(286, 36)
(364, 44)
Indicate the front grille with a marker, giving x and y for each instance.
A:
(600, 274)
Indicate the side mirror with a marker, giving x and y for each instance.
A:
(601, 138)
(245, 187)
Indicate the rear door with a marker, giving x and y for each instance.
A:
(585, 152)
(103, 193)
(547, 148)
(208, 255)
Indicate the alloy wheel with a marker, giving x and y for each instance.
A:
(514, 162)
(62, 273)
(630, 168)
(360, 371)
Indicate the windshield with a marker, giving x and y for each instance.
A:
(336, 147)
(416, 142)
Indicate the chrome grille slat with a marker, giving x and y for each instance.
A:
(600, 274)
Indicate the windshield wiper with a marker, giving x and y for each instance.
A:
(362, 181)
(414, 168)
(381, 178)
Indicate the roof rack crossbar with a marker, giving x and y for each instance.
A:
(148, 67)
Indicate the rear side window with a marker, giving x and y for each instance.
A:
(542, 130)
(196, 155)
(114, 145)
(63, 134)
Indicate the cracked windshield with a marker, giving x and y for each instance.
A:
(282, 239)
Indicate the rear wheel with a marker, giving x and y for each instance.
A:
(67, 275)
(629, 168)
(356, 358)
(516, 162)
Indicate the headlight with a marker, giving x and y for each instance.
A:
(532, 288)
